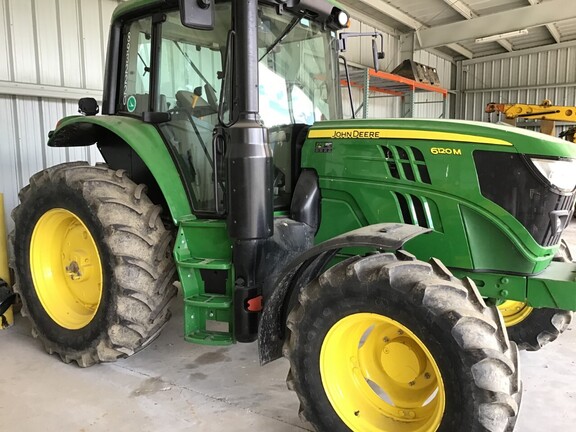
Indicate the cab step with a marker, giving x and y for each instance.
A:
(203, 254)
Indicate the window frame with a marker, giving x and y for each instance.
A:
(154, 66)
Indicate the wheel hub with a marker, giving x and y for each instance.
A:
(73, 270)
(402, 361)
(66, 269)
(78, 267)
(378, 376)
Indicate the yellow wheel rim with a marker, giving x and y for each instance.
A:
(514, 312)
(379, 376)
(66, 268)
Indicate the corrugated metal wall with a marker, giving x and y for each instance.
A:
(530, 78)
(45, 44)
(430, 105)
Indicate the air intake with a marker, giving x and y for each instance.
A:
(417, 210)
(406, 163)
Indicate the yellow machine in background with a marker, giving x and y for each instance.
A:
(6, 295)
(547, 113)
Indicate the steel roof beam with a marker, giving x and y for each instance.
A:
(392, 12)
(517, 53)
(372, 22)
(408, 21)
(551, 27)
(501, 22)
(460, 50)
(464, 10)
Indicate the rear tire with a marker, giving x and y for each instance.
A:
(118, 302)
(437, 352)
(532, 328)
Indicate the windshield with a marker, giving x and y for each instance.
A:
(298, 70)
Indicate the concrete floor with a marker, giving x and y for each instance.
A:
(175, 386)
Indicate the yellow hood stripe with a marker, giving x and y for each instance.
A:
(402, 134)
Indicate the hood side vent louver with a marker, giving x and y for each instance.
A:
(415, 210)
(406, 163)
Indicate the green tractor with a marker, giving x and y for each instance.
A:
(371, 254)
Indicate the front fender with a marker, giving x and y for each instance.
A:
(141, 137)
(305, 268)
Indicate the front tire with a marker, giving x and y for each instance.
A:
(381, 344)
(92, 263)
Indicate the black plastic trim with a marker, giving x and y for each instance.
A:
(155, 56)
(305, 206)
(112, 70)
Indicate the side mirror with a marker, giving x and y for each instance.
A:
(197, 14)
(88, 107)
(376, 55)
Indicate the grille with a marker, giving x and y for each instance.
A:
(509, 180)
(565, 203)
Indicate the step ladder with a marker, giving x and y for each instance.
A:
(203, 254)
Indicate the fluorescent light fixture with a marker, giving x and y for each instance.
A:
(501, 36)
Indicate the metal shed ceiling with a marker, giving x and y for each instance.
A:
(453, 26)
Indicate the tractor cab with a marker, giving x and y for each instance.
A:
(188, 75)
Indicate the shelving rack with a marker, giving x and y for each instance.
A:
(377, 84)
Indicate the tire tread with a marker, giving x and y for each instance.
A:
(494, 369)
(138, 243)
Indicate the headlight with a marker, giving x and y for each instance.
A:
(560, 173)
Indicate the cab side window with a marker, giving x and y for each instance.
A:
(190, 80)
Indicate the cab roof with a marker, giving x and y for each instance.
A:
(135, 5)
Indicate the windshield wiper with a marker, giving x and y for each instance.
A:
(280, 38)
(191, 63)
(146, 68)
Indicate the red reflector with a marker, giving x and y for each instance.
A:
(254, 304)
